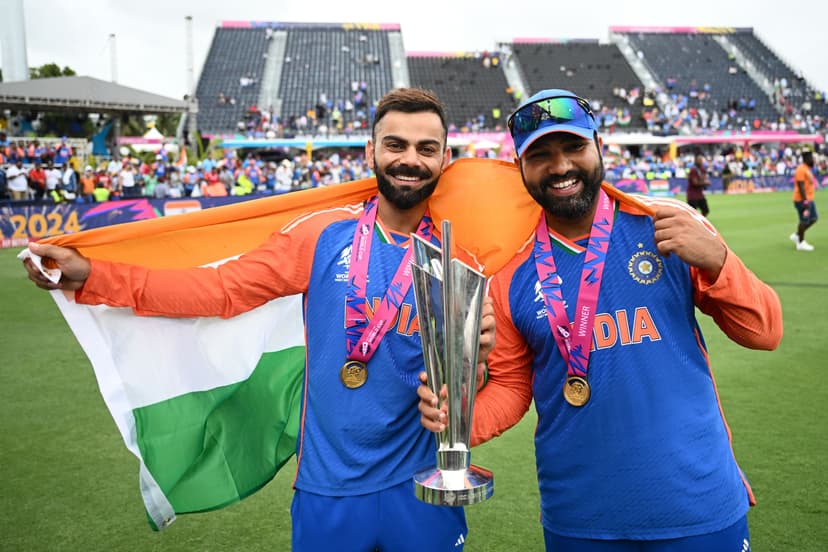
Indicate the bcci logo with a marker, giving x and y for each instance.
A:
(645, 267)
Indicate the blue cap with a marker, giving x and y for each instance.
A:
(548, 111)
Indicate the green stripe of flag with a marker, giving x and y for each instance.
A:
(211, 448)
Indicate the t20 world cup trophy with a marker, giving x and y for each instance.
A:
(449, 296)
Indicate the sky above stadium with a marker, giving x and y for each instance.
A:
(150, 40)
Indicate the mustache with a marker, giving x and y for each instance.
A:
(549, 180)
(405, 170)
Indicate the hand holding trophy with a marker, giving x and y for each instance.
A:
(449, 296)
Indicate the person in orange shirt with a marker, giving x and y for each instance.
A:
(88, 184)
(803, 198)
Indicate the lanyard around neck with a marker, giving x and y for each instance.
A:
(363, 337)
(574, 339)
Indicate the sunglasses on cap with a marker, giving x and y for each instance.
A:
(558, 110)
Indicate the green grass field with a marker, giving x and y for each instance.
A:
(68, 483)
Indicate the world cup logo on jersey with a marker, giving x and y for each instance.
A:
(344, 263)
(449, 296)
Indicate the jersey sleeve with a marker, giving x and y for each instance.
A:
(279, 267)
(508, 394)
(746, 309)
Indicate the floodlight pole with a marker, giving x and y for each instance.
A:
(189, 52)
(113, 58)
(192, 107)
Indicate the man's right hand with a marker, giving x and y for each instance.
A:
(432, 416)
(74, 267)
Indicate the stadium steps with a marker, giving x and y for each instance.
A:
(772, 67)
(468, 88)
(590, 69)
(399, 67)
(326, 60)
(269, 93)
(514, 74)
(696, 59)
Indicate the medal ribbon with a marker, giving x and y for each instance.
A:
(575, 349)
(361, 339)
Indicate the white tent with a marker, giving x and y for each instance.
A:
(152, 140)
(153, 134)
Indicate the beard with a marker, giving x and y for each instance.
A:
(573, 207)
(405, 197)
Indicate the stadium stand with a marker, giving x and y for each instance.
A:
(338, 68)
(231, 78)
(472, 86)
(788, 84)
(689, 63)
(311, 79)
(596, 71)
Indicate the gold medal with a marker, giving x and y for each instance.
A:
(353, 374)
(576, 390)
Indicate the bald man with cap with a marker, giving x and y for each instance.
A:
(596, 323)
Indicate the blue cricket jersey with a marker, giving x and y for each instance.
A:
(649, 456)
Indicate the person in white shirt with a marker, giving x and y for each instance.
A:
(113, 167)
(18, 182)
(69, 181)
(284, 176)
(127, 180)
(53, 177)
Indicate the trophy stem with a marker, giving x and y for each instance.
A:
(453, 459)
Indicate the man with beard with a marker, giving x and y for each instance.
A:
(596, 322)
(360, 442)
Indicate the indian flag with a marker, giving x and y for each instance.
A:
(210, 407)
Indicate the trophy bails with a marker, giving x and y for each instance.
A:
(449, 296)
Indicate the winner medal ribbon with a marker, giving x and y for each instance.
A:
(575, 349)
(361, 339)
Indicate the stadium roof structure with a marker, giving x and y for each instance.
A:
(320, 143)
(84, 94)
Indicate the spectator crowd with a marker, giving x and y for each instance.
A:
(29, 178)
(32, 171)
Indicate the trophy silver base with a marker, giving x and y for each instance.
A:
(454, 487)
